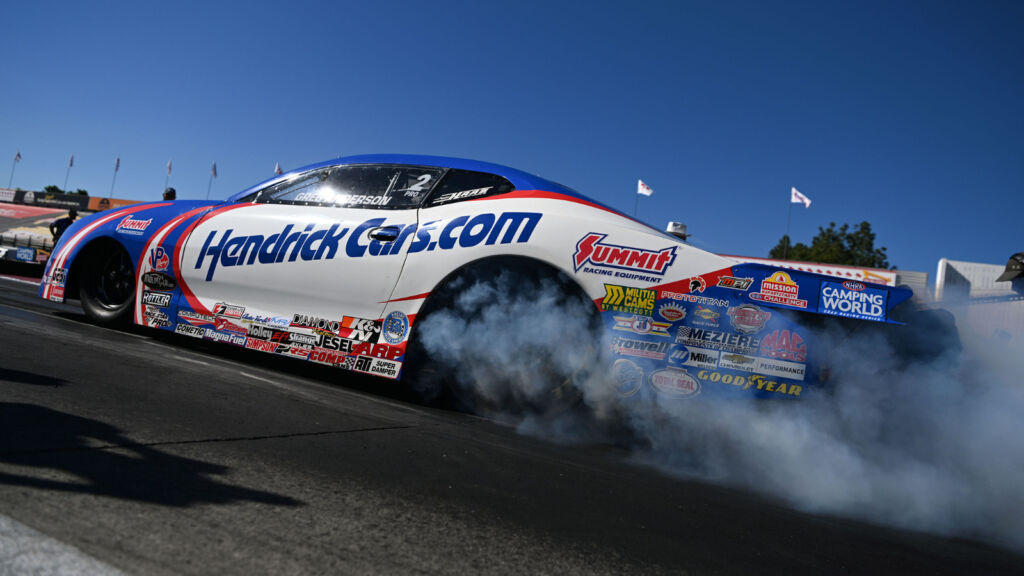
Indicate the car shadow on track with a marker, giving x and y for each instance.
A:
(9, 375)
(52, 450)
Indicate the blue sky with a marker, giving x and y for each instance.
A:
(904, 114)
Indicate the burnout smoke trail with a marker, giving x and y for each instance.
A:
(936, 446)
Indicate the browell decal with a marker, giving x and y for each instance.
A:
(590, 250)
(640, 348)
(852, 300)
(310, 242)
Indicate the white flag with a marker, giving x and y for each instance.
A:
(797, 198)
(214, 170)
(277, 168)
(71, 161)
(117, 164)
(17, 156)
(643, 189)
(169, 167)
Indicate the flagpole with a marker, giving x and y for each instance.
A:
(13, 165)
(117, 165)
(209, 185)
(789, 217)
(66, 175)
(167, 179)
(636, 204)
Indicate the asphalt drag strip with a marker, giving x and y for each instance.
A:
(151, 454)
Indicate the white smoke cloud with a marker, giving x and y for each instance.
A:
(936, 446)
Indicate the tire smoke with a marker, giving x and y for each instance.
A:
(932, 445)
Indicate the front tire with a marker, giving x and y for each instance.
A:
(107, 286)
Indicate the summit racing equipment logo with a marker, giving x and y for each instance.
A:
(629, 300)
(313, 243)
(129, 225)
(591, 250)
(852, 300)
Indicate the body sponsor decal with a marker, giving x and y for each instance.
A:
(317, 325)
(158, 259)
(694, 299)
(727, 341)
(396, 326)
(452, 196)
(327, 356)
(705, 317)
(767, 366)
(260, 345)
(735, 361)
(852, 299)
(129, 225)
(195, 317)
(784, 345)
(225, 337)
(756, 381)
(228, 310)
(156, 317)
(698, 284)
(59, 276)
(377, 366)
(748, 319)
(590, 250)
(696, 357)
(189, 330)
(779, 288)
(160, 299)
(223, 324)
(627, 376)
(279, 322)
(734, 283)
(640, 348)
(628, 299)
(310, 242)
(360, 329)
(56, 293)
(642, 325)
(672, 312)
(159, 281)
(675, 383)
(304, 339)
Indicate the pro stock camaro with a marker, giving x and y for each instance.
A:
(333, 263)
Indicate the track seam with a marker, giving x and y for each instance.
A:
(203, 441)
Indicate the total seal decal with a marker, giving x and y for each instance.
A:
(596, 257)
(779, 288)
(852, 299)
(312, 242)
(675, 383)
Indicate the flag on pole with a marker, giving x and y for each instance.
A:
(17, 156)
(643, 189)
(71, 161)
(277, 168)
(169, 166)
(213, 171)
(117, 164)
(797, 198)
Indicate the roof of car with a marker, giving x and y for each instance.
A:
(521, 180)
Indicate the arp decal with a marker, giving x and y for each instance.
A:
(590, 250)
(852, 300)
(779, 288)
(628, 299)
(748, 319)
(310, 242)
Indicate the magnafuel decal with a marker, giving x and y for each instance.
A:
(311, 241)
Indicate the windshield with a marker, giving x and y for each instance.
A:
(383, 186)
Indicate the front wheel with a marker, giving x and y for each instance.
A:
(107, 286)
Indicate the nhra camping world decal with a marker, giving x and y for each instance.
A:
(590, 250)
(322, 243)
(159, 281)
(779, 288)
(629, 300)
(852, 299)
(396, 325)
(675, 383)
(627, 376)
(748, 319)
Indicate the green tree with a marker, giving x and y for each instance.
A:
(836, 246)
(54, 189)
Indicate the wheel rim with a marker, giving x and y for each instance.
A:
(115, 283)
